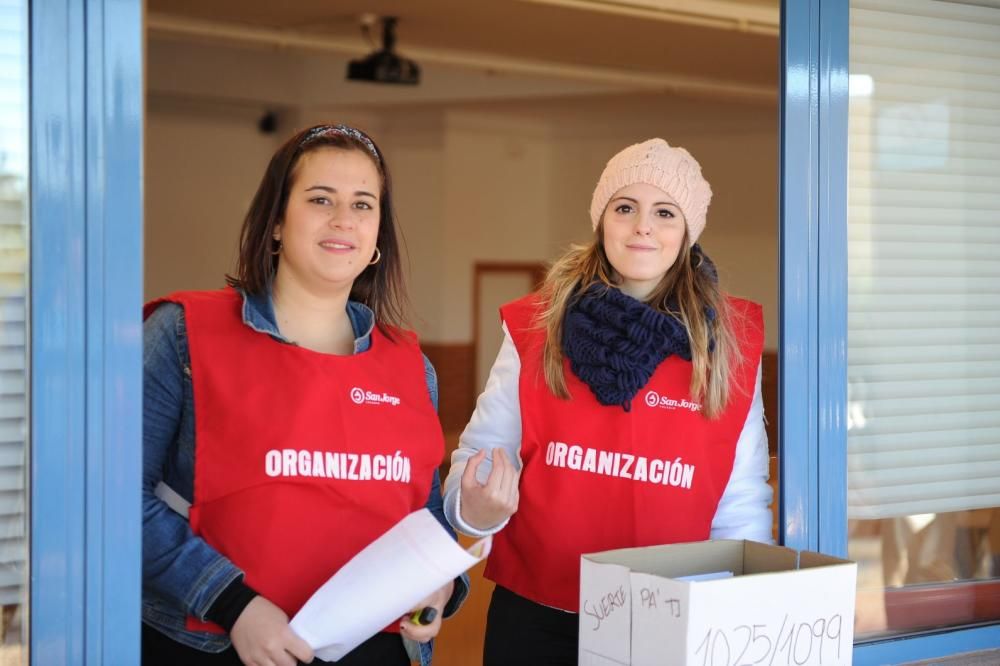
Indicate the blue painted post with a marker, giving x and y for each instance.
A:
(831, 454)
(57, 334)
(927, 646)
(798, 275)
(86, 290)
(114, 370)
(813, 275)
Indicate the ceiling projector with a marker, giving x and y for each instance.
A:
(384, 65)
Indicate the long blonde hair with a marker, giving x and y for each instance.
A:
(691, 290)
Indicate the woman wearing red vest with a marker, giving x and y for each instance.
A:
(623, 408)
(288, 419)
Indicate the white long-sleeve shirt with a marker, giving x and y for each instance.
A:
(743, 511)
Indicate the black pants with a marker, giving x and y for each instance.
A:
(519, 631)
(158, 650)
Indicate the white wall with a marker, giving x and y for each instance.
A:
(497, 182)
(202, 166)
(416, 150)
(505, 180)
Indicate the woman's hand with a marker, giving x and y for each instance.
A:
(262, 637)
(486, 505)
(424, 632)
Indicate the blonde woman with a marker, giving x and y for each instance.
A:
(623, 409)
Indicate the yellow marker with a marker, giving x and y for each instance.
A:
(423, 616)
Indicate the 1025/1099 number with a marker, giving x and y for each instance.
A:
(796, 643)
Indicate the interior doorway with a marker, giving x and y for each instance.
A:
(496, 283)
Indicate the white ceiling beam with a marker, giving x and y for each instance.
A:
(718, 14)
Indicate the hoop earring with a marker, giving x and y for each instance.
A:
(378, 257)
(277, 250)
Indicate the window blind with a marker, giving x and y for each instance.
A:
(923, 258)
(13, 282)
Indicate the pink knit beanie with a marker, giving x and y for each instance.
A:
(656, 163)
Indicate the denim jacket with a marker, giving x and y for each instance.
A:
(181, 573)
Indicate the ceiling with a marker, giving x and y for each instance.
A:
(733, 42)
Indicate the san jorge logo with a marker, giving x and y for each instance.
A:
(359, 396)
(654, 399)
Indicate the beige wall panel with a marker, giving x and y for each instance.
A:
(496, 190)
(495, 289)
(202, 166)
(508, 182)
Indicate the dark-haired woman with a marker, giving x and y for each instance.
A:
(289, 419)
(623, 408)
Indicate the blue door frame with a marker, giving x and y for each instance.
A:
(86, 276)
(813, 287)
(85, 334)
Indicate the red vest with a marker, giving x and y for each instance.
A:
(597, 478)
(301, 458)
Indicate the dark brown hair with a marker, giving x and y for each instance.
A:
(380, 286)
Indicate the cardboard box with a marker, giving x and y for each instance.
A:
(780, 606)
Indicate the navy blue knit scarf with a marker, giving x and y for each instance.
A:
(614, 342)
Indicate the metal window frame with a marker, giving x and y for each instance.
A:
(86, 102)
(813, 286)
(86, 268)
